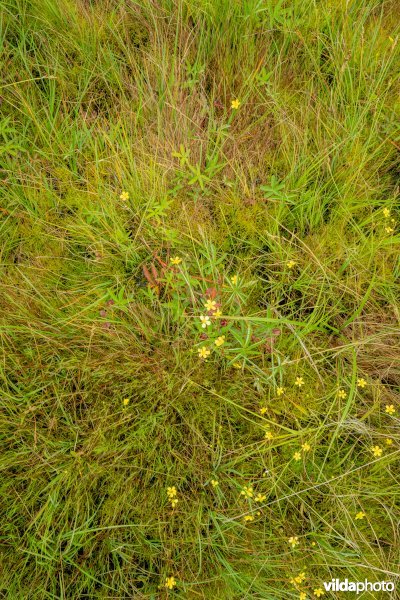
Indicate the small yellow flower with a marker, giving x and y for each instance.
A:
(171, 492)
(248, 518)
(361, 382)
(203, 352)
(376, 451)
(170, 582)
(360, 515)
(319, 592)
(303, 596)
(205, 321)
(214, 483)
(124, 196)
(220, 340)
(175, 261)
(313, 544)
(263, 410)
(218, 313)
(297, 456)
(234, 279)
(210, 304)
(268, 435)
(306, 447)
(125, 402)
(174, 502)
(235, 103)
(280, 391)
(342, 394)
(260, 498)
(386, 213)
(388, 442)
(299, 381)
(389, 230)
(299, 578)
(290, 264)
(247, 491)
(390, 409)
(237, 365)
(293, 541)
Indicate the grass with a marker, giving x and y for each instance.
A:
(283, 212)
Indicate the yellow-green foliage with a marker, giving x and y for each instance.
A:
(199, 298)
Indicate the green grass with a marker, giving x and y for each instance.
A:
(105, 400)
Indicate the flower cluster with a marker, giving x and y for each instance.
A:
(172, 496)
(305, 448)
(247, 491)
(299, 579)
(213, 312)
(388, 228)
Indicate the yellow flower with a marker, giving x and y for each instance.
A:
(175, 261)
(203, 352)
(263, 410)
(360, 515)
(280, 391)
(205, 321)
(303, 596)
(170, 583)
(247, 491)
(390, 409)
(210, 304)
(220, 340)
(386, 213)
(171, 492)
(297, 456)
(268, 435)
(306, 447)
(237, 365)
(125, 402)
(319, 592)
(260, 498)
(376, 451)
(290, 264)
(388, 442)
(293, 541)
(124, 196)
(235, 103)
(214, 483)
(299, 578)
(299, 381)
(361, 382)
(174, 502)
(389, 229)
(217, 313)
(342, 394)
(234, 279)
(248, 518)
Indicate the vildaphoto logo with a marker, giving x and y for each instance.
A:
(336, 585)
